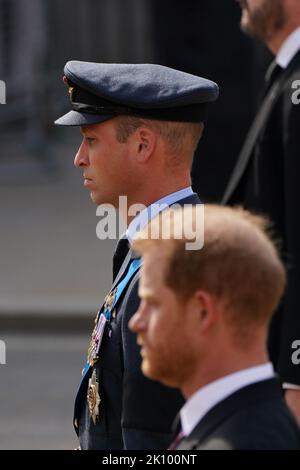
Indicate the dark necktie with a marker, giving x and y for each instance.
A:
(119, 255)
(176, 441)
(272, 74)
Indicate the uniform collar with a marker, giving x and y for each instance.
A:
(141, 220)
(289, 49)
(210, 395)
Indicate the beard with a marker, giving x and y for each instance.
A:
(264, 21)
(171, 365)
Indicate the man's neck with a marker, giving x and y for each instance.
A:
(278, 40)
(154, 194)
(216, 370)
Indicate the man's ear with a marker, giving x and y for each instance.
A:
(145, 141)
(205, 308)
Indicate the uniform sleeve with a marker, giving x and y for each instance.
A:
(149, 408)
(290, 330)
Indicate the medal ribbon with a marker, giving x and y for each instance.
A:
(134, 266)
(119, 289)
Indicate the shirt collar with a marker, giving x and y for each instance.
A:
(210, 395)
(289, 49)
(141, 220)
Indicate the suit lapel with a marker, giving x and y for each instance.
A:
(258, 392)
(259, 122)
(192, 199)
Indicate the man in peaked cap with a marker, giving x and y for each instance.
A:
(140, 124)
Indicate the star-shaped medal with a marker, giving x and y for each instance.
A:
(93, 398)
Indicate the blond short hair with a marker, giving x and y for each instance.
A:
(239, 263)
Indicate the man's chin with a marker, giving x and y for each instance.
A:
(94, 198)
(156, 373)
(149, 370)
(98, 199)
(101, 200)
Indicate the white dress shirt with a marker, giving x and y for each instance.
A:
(289, 49)
(141, 220)
(210, 395)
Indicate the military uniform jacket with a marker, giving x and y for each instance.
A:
(134, 412)
(255, 417)
(266, 179)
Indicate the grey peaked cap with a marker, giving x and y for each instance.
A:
(102, 91)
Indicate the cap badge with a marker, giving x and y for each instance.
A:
(70, 88)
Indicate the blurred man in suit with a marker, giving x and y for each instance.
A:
(202, 24)
(202, 327)
(265, 178)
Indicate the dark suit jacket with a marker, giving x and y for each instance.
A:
(135, 412)
(253, 418)
(197, 50)
(267, 181)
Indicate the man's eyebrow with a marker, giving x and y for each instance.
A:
(86, 129)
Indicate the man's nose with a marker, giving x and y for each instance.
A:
(137, 323)
(81, 157)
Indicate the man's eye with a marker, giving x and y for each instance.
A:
(90, 140)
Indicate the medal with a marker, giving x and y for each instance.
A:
(89, 353)
(100, 322)
(93, 398)
(97, 335)
(109, 300)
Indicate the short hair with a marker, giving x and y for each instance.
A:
(239, 263)
(181, 138)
